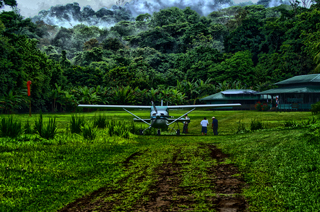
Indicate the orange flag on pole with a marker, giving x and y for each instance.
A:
(28, 85)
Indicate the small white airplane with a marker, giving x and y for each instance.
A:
(159, 115)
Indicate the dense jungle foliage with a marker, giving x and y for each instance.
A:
(173, 54)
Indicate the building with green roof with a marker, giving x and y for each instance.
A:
(247, 98)
(297, 93)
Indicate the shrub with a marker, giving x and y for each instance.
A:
(255, 125)
(314, 130)
(100, 121)
(27, 128)
(261, 106)
(46, 131)
(315, 108)
(89, 132)
(241, 128)
(76, 123)
(10, 128)
(265, 107)
(258, 106)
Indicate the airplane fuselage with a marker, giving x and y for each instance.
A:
(159, 117)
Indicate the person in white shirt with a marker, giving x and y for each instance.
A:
(204, 123)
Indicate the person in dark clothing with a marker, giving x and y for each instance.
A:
(185, 125)
(215, 125)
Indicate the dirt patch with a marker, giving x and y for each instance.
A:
(165, 194)
(228, 183)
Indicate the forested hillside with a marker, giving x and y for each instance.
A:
(174, 54)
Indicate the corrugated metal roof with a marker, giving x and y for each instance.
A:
(221, 96)
(301, 79)
(239, 92)
(302, 89)
(213, 96)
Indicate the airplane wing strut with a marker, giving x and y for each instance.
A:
(136, 116)
(181, 117)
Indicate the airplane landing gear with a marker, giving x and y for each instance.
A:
(178, 131)
(159, 132)
(141, 132)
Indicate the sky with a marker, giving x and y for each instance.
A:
(30, 8)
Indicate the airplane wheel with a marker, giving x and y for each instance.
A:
(158, 132)
(178, 131)
(141, 132)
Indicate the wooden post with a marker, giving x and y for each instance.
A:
(29, 94)
(30, 108)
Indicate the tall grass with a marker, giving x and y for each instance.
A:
(290, 123)
(10, 128)
(256, 125)
(27, 128)
(89, 132)
(76, 123)
(47, 131)
(120, 128)
(100, 121)
(241, 128)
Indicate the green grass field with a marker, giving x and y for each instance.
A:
(281, 166)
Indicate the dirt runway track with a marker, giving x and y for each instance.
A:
(166, 194)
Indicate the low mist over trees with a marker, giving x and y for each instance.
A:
(174, 54)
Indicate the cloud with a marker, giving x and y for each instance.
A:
(203, 7)
(30, 8)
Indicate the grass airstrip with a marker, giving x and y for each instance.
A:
(272, 169)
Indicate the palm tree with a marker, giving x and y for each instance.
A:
(123, 95)
(13, 100)
(55, 94)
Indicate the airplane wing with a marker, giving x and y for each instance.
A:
(179, 120)
(117, 106)
(203, 106)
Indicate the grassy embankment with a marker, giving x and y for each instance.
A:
(280, 165)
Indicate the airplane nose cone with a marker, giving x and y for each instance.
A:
(159, 123)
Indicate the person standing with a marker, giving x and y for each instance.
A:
(185, 125)
(215, 125)
(204, 123)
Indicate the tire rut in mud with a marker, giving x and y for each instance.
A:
(165, 194)
(228, 183)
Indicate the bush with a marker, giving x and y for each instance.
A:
(27, 128)
(89, 132)
(315, 108)
(261, 106)
(10, 128)
(258, 106)
(100, 121)
(76, 123)
(255, 125)
(241, 128)
(46, 131)
(265, 107)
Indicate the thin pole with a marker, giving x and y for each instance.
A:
(30, 108)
